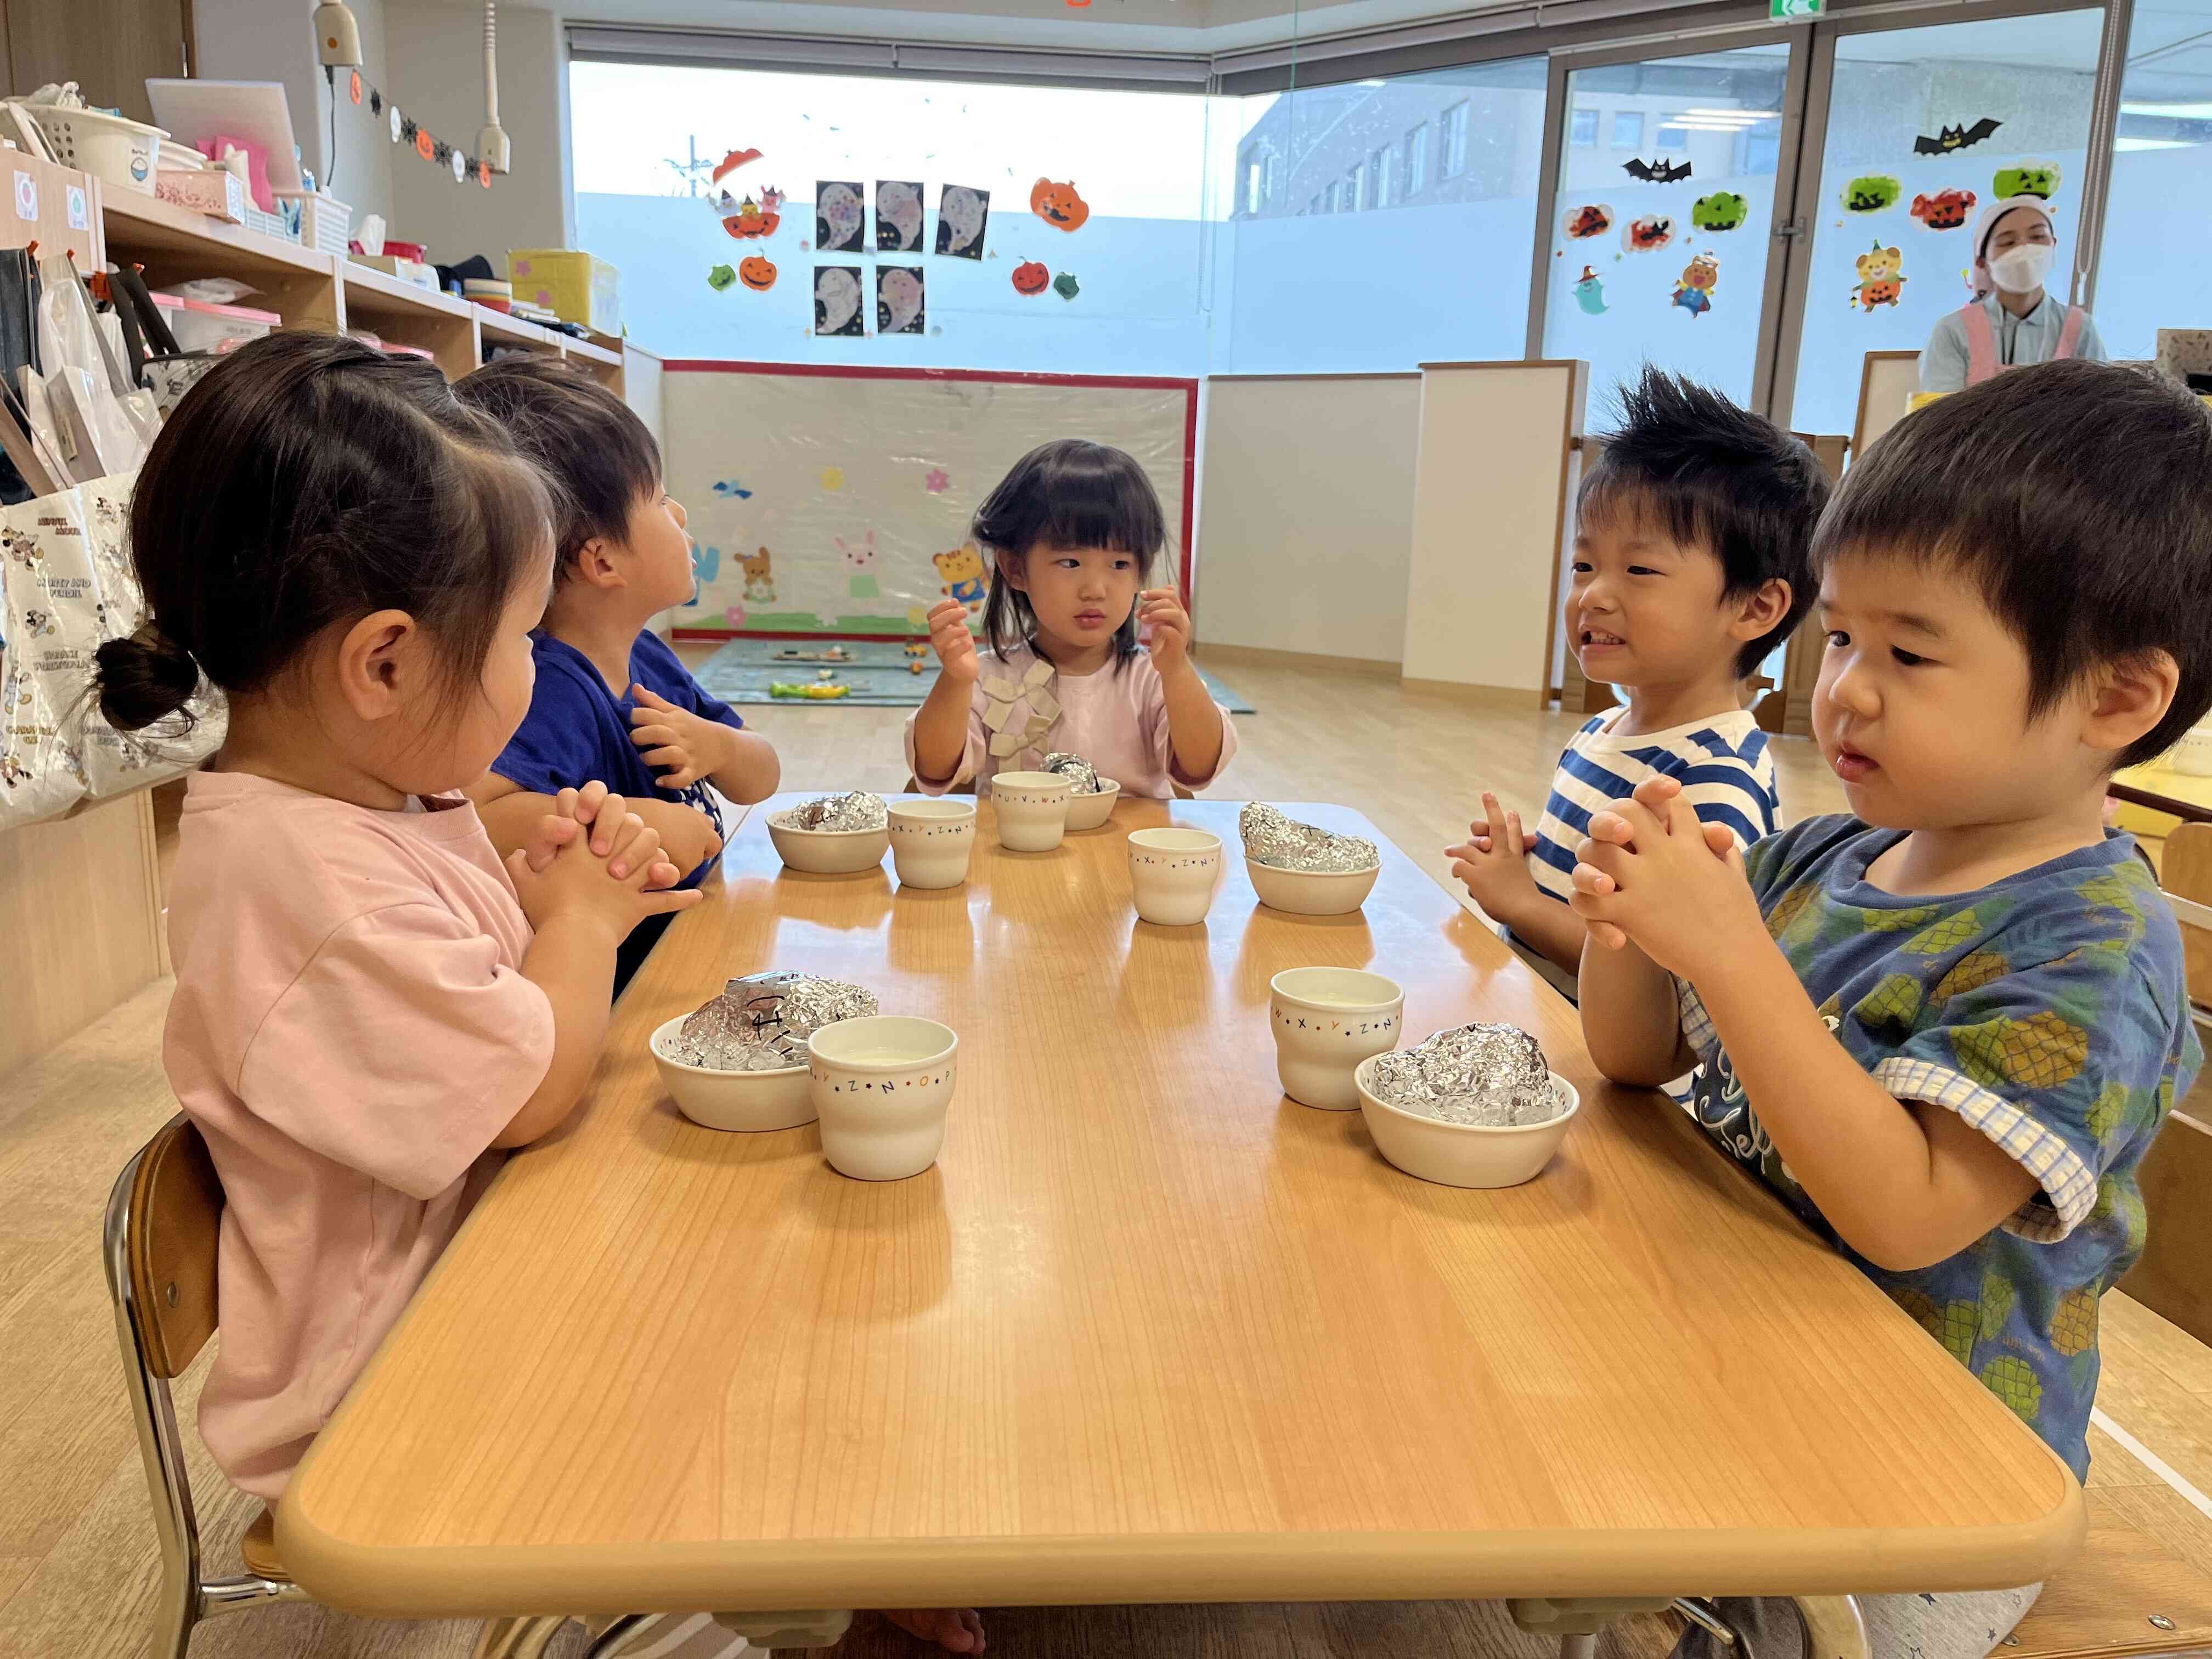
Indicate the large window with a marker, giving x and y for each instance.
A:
(1582, 133)
(2158, 228)
(1627, 129)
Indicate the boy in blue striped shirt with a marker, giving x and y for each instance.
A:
(1690, 568)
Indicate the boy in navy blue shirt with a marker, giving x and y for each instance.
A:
(612, 703)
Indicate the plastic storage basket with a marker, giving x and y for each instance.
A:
(109, 147)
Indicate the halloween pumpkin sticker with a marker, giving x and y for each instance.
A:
(1591, 219)
(1945, 210)
(1881, 278)
(1059, 205)
(1872, 193)
(1031, 277)
(1721, 210)
(757, 273)
(1649, 234)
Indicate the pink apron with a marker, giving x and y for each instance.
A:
(1982, 341)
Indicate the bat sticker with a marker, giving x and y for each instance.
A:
(1947, 139)
(1661, 170)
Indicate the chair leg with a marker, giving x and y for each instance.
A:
(176, 1611)
(1577, 1647)
(526, 1637)
(1834, 1628)
(616, 1634)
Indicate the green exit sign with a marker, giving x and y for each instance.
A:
(1788, 10)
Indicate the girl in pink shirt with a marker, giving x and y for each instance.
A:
(1073, 531)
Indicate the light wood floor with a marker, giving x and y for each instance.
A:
(77, 1548)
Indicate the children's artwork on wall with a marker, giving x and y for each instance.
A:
(1947, 139)
(757, 273)
(1031, 276)
(1660, 170)
(1059, 205)
(1589, 292)
(1872, 193)
(1946, 209)
(1721, 210)
(839, 216)
(1065, 286)
(1694, 293)
(1881, 278)
(1591, 219)
(2027, 178)
(963, 214)
(899, 300)
(833, 478)
(872, 557)
(837, 300)
(731, 489)
(1648, 235)
(721, 277)
(898, 216)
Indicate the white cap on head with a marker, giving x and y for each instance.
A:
(1987, 223)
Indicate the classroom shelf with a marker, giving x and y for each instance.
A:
(513, 330)
(403, 314)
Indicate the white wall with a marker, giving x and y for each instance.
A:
(275, 40)
(1306, 516)
(436, 53)
(1489, 497)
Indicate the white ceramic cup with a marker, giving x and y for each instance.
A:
(1326, 1021)
(1173, 873)
(1032, 810)
(881, 1086)
(931, 842)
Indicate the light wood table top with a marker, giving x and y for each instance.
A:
(1148, 1332)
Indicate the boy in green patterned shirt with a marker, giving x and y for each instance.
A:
(1946, 1027)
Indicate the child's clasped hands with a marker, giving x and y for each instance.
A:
(592, 855)
(1651, 874)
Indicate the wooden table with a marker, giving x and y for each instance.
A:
(1148, 1332)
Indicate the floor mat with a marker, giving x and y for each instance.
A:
(878, 671)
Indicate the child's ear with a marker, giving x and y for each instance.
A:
(377, 662)
(1761, 612)
(598, 563)
(2128, 698)
(1010, 571)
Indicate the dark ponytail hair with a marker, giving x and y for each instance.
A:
(1068, 493)
(309, 479)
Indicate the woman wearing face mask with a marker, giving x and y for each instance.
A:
(2010, 321)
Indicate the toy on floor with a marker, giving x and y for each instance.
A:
(834, 654)
(819, 690)
(914, 668)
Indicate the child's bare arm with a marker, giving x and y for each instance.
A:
(1492, 863)
(752, 770)
(1195, 733)
(1632, 1018)
(940, 726)
(1904, 1183)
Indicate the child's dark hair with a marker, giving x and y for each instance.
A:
(1068, 493)
(309, 479)
(596, 452)
(1710, 475)
(2076, 498)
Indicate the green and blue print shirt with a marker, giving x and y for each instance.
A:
(2048, 1010)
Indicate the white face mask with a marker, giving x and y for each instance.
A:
(2021, 270)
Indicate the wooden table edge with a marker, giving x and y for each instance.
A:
(415, 1582)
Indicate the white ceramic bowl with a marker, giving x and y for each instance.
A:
(1326, 1021)
(1311, 892)
(1173, 873)
(734, 1100)
(882, 1086)
(1032, 808)
(1091, 811)
(2192, 756)
(932, 842)
(1463, 1154)
(828, 852)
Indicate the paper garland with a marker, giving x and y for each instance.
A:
(427, 144)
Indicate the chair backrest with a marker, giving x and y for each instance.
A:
(175, 1217)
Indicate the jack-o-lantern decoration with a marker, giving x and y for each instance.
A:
(757, 273)
(1031, 277)
(425, 146)
(1058, 205)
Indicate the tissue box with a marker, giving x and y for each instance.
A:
(214, 192)
(577, 288)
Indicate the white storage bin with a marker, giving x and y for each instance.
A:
(325, 222)
(200, 326)
(110, 148)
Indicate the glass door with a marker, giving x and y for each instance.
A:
(1914, 130)
(1664, 213)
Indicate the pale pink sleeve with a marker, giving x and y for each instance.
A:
(1162, 741)
(402, 1049)
(971, 757)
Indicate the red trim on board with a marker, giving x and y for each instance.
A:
(866, 372)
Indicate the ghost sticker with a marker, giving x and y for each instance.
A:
(961, 214)
(899, 300)
(1872, 193)
(1881, 278)
(1648, 235)
(839, 216)
(1694, 293)
(2027, 178)
(1591, 219)
(1945, 210)
(837, 300)
(1721, 210)
(898, 216)
(1589, 292)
